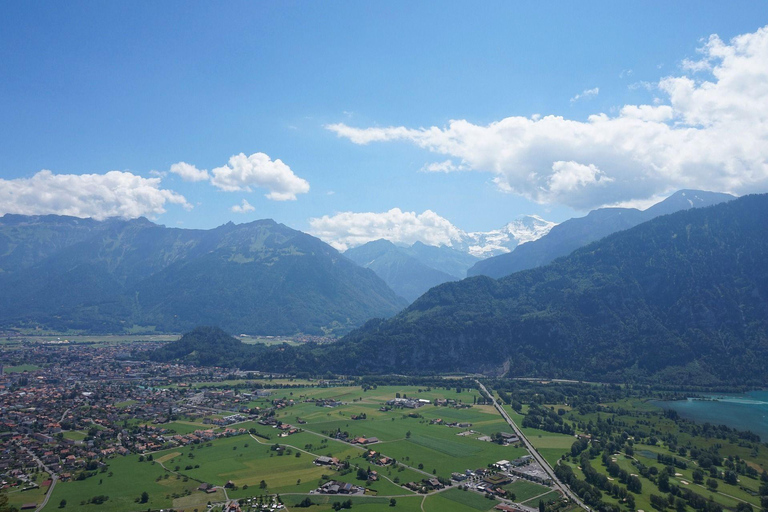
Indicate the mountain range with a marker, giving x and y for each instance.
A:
(568, 236)
(681, 299)
(484, 244)
(525, 243)
(132, 275)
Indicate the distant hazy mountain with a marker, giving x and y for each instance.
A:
(442, 258)
(404, 268)
(564, 238)
(411, 271)
(116, 275)
(679, 300)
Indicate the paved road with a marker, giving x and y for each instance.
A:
(54, 478)
(48, 495)
(542, 462)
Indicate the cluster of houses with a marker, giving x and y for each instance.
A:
(78, 405)
(285, 429)
(453, 424)
(503, 438)
(365, 440)
(425, 485)
(408, 403)
(336, 487)
(377, 458)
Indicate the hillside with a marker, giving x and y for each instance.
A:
(682, 299)
(565, 238)
(406, 275)
(407, 270)
(111, 276)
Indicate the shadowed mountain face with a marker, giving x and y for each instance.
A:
(574, 233)
(681, 299)
(411, 271)
(261, 277)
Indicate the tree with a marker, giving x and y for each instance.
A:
(62, 503)
(262, 484)
(144, 497)
(542, 506)
(663, 482)
(711, 484)
(698, 476)
(392, 502)
(635, 485)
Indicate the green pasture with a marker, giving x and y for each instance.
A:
(130, 478)
(458, 501)
(525, 490)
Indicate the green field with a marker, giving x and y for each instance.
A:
(457, 500)
(421, 448)
(17, 497)
(20, 368)
(75, 435)
(366, 504)
(411, 440)
(525, 490)
(130, 478)
(550, 496)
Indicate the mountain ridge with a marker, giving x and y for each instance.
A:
(681, 300)
(569, 235)
(111, 275)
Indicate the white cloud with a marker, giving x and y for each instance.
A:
(695, 66)
(707, 134)
(648, 86)
(113, 194)
(350, 229)
(570, 177)
(585, 94)
(258, 170)
(446, 166)
(189, 172)
(243, 207)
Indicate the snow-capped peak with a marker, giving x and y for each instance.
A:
(499, 241)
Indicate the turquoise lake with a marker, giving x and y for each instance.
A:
(748, 411)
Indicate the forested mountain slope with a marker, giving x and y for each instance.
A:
(116, 275)
(681, 299)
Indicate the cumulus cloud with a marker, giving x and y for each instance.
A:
(704, 133)
(350, 229)
(259, 170)
(189, 172)
(586, 93)
(243, 207)
(114, 194)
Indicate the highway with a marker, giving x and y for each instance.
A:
(536, 455)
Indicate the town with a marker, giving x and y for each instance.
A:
(74, 414)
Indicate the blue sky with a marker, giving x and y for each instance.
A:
(135, 87)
